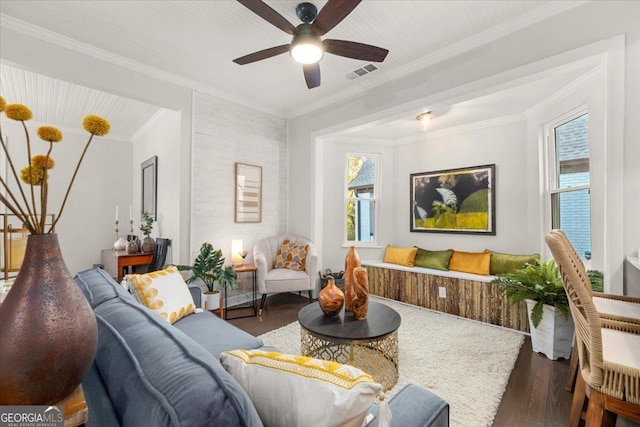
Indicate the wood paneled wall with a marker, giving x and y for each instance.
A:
(465, 298)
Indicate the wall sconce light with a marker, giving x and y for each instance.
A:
(237, 253)
(423, 120)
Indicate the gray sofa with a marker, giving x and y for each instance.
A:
(148, 372)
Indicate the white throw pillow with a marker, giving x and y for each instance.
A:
(289, 390)
(164, 292)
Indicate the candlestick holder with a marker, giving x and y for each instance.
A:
(133, 245)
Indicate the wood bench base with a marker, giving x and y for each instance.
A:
(471, 299)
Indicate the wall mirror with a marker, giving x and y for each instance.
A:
(248, 193)
(149, 186)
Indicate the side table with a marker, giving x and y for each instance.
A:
(244, 268)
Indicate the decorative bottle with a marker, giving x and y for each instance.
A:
(331, 299)
(361, 290)
(351, 261)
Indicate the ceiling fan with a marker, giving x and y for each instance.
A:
(306, 46)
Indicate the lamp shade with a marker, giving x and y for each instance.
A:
(236, 252)
(306, 48)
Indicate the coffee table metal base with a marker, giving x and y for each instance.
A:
(378, 357)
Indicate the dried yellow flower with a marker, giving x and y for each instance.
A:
(18, 112)
(37, 176)
(49, 134)
(2, 104)
(96, 125)
(41, 161)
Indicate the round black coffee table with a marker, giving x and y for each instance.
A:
(370, 344)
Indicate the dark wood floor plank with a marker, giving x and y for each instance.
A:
(535, 394)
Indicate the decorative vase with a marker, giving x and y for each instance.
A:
(120, 244)
(361, 290)
(148, 244)
(351, 261)
(331, 299)
(211, 300)
(49, 331)
(133, 246)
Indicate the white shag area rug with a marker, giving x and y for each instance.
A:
(465, 362)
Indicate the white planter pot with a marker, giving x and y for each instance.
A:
(211, 301)
(554, 335)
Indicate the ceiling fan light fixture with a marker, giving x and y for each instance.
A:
(423, 120)
(306, 49)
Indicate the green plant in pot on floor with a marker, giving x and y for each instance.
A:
(550, 323)
(209, 268)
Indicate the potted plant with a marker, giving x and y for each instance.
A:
(146, 226)
(540, 286)
(209, 268)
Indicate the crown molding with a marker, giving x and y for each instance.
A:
(477, 40)
(425, 136)
(148, 124)
(103, 55)
(565, 91)
(68, 130)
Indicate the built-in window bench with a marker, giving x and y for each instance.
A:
(467, 295)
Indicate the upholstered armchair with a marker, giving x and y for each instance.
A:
(276, 280)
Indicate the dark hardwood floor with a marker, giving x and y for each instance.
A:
(535, 395)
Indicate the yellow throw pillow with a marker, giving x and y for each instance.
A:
(401, 256)
(471, 262)
(164, 292)
(291, 255)
(310, 392)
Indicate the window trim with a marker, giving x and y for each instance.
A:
(552, 165)
(375, 198)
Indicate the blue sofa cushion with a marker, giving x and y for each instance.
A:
(99, 287)
(156, 375)
(216, 335)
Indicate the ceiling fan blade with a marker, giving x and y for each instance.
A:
(268, 14)
(262, 54)
(364, 52)
(312, 74)
(332, 14)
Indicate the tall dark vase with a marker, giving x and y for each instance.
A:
(48, 330)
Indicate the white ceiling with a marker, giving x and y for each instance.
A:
(194, 43)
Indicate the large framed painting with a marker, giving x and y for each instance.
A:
(248, 193)
(454, 201)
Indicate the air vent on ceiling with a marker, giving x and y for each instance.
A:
(361, 71)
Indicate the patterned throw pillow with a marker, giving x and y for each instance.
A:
(311, 392)
(164, 292)
(291, 255)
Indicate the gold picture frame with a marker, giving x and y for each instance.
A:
(248, 201)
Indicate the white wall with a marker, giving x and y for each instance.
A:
(333, 209)
(160, 138)
(504, 146)
(226, 133)
(537, 48)
(87, 224)
(66, 64)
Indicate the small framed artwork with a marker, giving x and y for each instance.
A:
(149, 186)
(248, 193)
(454, 201)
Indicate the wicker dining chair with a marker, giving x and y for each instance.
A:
(609, 359)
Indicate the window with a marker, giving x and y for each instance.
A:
(361, 197)
(570, 181)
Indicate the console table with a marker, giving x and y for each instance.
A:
(115, 261)
(244, 268)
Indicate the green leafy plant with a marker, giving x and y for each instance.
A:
(146, 226)
(597, 280)
(209, 267)
(539, 282)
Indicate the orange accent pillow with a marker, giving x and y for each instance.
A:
(471, 262)
(401, 256)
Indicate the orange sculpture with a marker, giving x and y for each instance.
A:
(331, 299)
(351, 262)
(361, 289)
